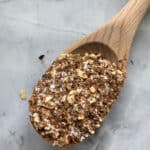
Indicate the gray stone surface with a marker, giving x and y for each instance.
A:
(29, 28)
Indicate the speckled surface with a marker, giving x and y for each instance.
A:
(29, 28)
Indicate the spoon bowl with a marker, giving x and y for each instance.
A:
(97, 48)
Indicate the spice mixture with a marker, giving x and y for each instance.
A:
(74, 96)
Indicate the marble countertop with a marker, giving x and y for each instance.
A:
(29, 28)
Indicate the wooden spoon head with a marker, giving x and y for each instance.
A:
(96, 47)
(103, 41)
(98, 42)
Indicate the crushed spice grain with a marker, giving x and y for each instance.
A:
(74, 96)
(23, 94)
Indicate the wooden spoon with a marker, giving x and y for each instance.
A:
(114, 39)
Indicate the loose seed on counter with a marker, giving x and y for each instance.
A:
(23, 94)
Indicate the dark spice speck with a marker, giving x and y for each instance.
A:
(41, 57)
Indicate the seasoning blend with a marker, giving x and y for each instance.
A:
(74, 96)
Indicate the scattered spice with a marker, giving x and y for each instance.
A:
(132, 62)
(74, 96)
(41, 57)
(23, 94)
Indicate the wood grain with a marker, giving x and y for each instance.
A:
(115, 37)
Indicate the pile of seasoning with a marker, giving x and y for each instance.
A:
(73, 97)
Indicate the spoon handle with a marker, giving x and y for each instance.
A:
(118, 33)
(127, 22)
